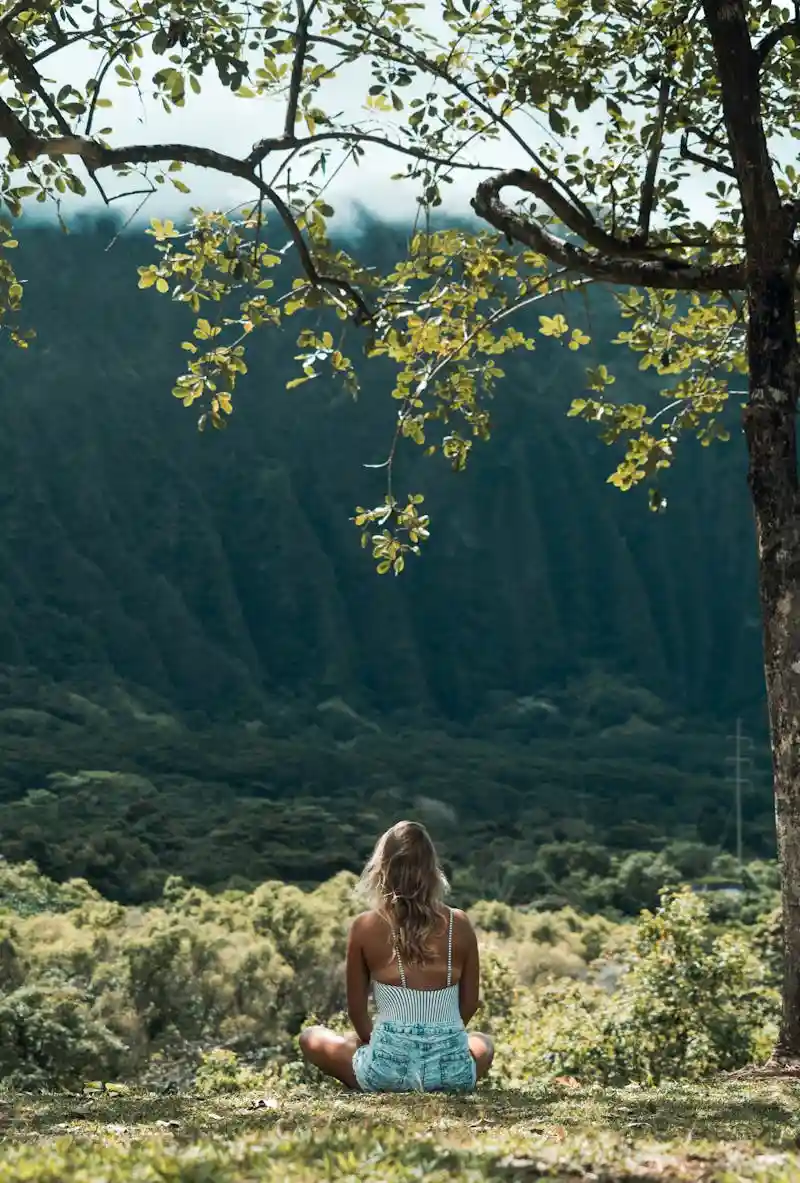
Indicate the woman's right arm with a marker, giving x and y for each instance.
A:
(469, 992)
(358, 983)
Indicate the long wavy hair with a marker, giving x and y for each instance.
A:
(403, 881)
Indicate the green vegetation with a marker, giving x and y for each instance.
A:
(145, 796)
(676, 1133)
(94, 988)
(205, 641)
(200, 680)
(222, 574)
(160, 1043)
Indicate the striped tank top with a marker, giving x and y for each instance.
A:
(402, 1004)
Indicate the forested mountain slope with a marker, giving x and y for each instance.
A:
(214, 568)
(201, 673)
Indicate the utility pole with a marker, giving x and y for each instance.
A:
(740, 762)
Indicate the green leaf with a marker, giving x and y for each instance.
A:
(553, 326)
(556, 121)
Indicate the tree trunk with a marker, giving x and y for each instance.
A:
(770, 429)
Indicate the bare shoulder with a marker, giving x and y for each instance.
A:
(366, 923)
(462, 925)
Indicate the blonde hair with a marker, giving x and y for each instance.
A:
(403, 881)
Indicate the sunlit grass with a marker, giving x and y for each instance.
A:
(723, 1131)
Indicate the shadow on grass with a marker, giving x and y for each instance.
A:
(767, 1121)
(765, 1113)
(59, 1113)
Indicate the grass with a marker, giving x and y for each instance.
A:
(719, 1133)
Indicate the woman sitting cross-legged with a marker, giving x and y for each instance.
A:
(421, 960)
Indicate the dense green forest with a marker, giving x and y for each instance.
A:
(202, 674)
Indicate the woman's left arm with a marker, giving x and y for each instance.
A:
(358, 984)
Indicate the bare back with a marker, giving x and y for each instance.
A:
(377, 945)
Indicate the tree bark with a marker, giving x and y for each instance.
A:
(770, 430)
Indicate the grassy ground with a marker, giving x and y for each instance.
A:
(716, 1134)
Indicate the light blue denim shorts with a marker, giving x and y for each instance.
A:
(415, 1057)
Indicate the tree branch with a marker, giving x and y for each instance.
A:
(737, 70)
(647, 198)
(17, 9)
(28, 147)
(774, 38)
(296, 81)
(283, 143)
(20, 67)
(14, 130)
(718, 166)
(29, 78)
(115, 26)
(586, 228)
(665, 273)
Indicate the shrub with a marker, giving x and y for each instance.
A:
(768, 943)
(690, 1003)
(49, 1039)
(220, 1071)
(103, 990)
(25, 891)
(494, 917)
(498, 990)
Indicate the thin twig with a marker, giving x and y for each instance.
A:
(424, 382)
(284, 144)
(147, 194)
(82, 35)
(707, 162)
(99, 79)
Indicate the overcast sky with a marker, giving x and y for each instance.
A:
(217, 119)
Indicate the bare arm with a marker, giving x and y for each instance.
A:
(470, 984)
(358, 985)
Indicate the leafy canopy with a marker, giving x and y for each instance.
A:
(607, 111)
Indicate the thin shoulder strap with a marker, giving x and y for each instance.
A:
(399, 959)
(450, 950)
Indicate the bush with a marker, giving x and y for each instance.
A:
(86, 978)
(768, 943)
(690, 1003)
(498, 990)
(26, 892)
(220, 1071)
(494, 917)
(50, 1038)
